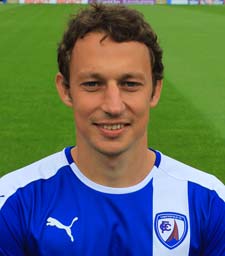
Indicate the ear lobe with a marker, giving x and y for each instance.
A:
(63, 90)
(156, 96)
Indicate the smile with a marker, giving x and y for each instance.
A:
(112, 127)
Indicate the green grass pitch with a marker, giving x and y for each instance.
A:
(189, 122)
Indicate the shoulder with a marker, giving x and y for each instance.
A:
(193, 176)
(42, 169)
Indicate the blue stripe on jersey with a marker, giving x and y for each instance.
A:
(157, 159)
(205, 209)
(68, 155)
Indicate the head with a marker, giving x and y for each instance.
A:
(111, 72)
(119, 23)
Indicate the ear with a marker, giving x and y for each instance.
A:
(63, 90)
(157, 92)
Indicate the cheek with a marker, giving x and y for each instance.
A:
(81, 112)
(140, 106)
(142, 115)
(79, 109)
(83, 108)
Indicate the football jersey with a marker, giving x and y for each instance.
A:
(50, 208)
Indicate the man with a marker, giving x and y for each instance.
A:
(111, 195)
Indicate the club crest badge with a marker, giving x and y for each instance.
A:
(171, 228)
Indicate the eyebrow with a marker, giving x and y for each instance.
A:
(131, 75)
(99, 76)
(91, 75)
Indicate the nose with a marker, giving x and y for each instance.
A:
(113, 103)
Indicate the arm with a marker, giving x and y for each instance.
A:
(215, 229)
(11, 241)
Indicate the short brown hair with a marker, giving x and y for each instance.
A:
(118, 22)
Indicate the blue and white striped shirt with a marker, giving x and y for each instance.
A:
(50, 208)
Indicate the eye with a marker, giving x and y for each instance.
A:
(130, 85)
(91, 85)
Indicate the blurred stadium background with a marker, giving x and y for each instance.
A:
(188, 124)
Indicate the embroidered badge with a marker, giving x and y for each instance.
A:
(171, 228)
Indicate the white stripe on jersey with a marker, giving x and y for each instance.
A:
(170, 195)
(182, 171)
(42, 169)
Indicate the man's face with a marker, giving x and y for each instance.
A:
(111, 93)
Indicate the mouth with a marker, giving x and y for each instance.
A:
(112, 127)
(112, 130)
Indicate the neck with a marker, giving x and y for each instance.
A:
(123, 170)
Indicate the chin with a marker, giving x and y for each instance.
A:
(111, 151)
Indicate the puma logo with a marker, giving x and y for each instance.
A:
(54, 222)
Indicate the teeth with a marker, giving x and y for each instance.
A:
(113, 126)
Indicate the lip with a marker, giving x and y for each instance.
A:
(112, 130)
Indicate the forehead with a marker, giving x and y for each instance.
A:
(98, 48)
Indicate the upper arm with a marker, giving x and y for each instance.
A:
(215, 229)
(11, 230)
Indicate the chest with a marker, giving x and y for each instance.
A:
(84, 223)
(93, 225)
